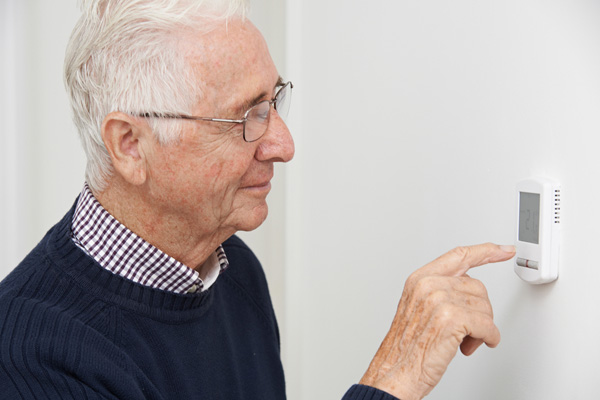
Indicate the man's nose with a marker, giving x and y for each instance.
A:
(277, 143)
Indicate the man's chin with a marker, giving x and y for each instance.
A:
(254, 218)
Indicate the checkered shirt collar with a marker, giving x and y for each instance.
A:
(122, 252)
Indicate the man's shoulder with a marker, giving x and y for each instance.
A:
(41, 258)
(39, 287)
(20, 278)
(40, 284)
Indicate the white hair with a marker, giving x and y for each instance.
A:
(123, 56)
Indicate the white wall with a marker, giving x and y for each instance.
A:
(417, 119)
(9, 140)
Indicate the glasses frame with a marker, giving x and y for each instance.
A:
(272, 102)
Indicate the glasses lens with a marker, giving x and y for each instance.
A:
(283, 100)
(257, 121)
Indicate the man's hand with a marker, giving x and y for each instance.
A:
(441, 309)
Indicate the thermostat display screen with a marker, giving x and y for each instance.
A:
(529, 217)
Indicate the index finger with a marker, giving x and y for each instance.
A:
(458, 261)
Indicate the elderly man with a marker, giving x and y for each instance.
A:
(142, 291)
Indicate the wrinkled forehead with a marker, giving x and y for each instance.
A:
(233, 63)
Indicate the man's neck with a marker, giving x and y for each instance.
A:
(173, 235)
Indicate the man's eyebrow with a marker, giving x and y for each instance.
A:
(261, 97)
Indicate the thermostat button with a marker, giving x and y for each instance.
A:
(522, 262)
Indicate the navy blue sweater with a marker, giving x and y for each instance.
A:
(70, 329)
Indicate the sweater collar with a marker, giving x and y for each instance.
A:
(62, 253)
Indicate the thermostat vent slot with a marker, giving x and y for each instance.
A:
(557, 206)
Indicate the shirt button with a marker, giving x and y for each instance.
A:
(193, 289)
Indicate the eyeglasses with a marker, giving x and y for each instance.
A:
(256, 119)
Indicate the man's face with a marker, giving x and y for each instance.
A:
(211, 182)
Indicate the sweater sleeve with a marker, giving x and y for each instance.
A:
(362, 392)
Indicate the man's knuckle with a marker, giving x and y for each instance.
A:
(436, 298)
(461, 252)
(412, 280)
(478, 288)
(446, 314)
(424, 285)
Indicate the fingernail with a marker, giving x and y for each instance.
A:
(508, 248)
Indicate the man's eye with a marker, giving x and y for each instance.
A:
(260, 112)
(263, 115)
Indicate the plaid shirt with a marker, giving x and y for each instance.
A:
(122, 252)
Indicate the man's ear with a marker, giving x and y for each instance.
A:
(125, 139)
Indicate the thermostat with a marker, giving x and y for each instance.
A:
(538, 230)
